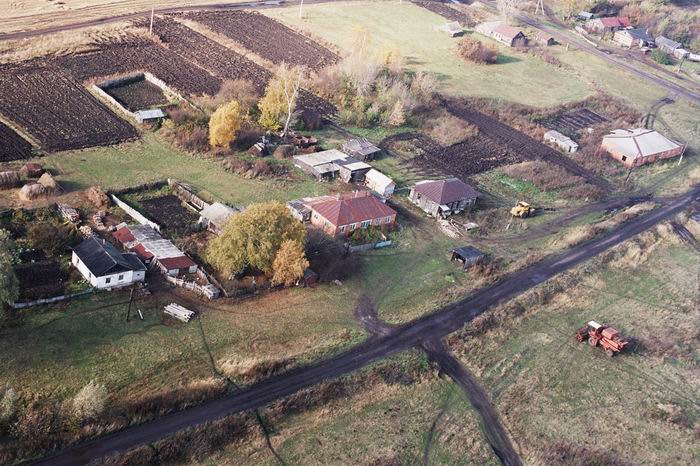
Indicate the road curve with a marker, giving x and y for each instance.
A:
(433, 326)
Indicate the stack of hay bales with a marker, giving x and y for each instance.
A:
(31, 191)
(32, 170)
(49, 183)
(9, 179)
(97, 196)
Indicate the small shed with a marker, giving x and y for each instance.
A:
(380, 183)
(9, 179)
(453, 28)
(667, 45)
(469, 256)
(215, 216)
(565, 143)
(545, 39)
(361, 149)
(147, 115)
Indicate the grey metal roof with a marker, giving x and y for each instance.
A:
(468, 252)
(667, 43)
(101, 258)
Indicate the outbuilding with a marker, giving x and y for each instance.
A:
(667, 45)
(104, 266)
(453, 28)
(501, 32)
(469, 256)
(563, 142)
(361, 149)
(379, 183)
(214, 217)
(635, 147)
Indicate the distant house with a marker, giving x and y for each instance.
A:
(152, 248)
(635, 147)
(454, 29)
(442, 198)
(585, 16)
(379, 183)
(104, 266)
(361, 149)
(667, 45)
(565, 143)
(215, 216)
(545, 39)
(633, 38)
(501, 32)
(330, 164)
(469, 256)
(341, 215)
(603, 25)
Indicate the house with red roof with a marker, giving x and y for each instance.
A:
(341, 215)
(441, 198)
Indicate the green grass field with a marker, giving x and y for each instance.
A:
(518, 78)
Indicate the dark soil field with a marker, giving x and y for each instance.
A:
(266, 37)
(573, 121)
(446, 12)
(137, 95)
(169, 212)
(58, 111)
(12, 145)
(141, 55)
(41, 280)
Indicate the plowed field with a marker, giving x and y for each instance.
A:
(446, 12)
(58, 111)
(13, 146)
(137, 95)
(266, 37)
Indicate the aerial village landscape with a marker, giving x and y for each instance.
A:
(372, 232)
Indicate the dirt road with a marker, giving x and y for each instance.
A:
(433, 326)
(495, 433)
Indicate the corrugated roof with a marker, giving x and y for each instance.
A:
(378, 179)
(508, 32)
(354, 208)
(218, 213)
(446, 191)
(666, 42)
(362, 146)
(639, 142)
(176, 263)
(101, 258)
(321, 158)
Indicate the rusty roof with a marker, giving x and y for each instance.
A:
(446, 191)
(355, 208)
(508, 32)
(175, 263)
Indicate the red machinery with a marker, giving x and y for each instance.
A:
(598, 334)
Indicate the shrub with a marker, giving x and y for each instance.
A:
(51, 238)
(224, 124)
(240, 90)
(89, 402)
(448, 129)
(475, 51)
(660, 57)
(289, 264)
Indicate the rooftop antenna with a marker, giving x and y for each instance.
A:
(150, 29)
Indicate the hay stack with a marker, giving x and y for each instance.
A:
(31, 191)
(32, 170)
(97, 196)
(9, 179)
(49, 183)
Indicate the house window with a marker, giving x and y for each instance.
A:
(387, 220)
(121, 277)
(353, 226)
(624, 158)
(366, 223)
(378, 222)
(108, 280)
(342, 229)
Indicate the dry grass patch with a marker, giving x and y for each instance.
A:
(447, 129)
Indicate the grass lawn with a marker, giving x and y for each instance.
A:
(518, 77)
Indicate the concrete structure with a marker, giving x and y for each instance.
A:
(469, 256)
(104, 266)
(501, 32)
(154, 249)
(633, 38)
(379, 183)
(442, 198)
(214, 217)
(147, 115)
(361, 149)
(341, 215)
(565, 143)
(329, 164)
(640, 146)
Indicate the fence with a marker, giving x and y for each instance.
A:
(55, 299)
(368, 246)
(210, 291)
(185, 193)
(135, 214)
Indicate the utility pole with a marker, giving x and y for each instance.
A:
(539, 6)
(150, 29)
(128, 309)
(682, 152)
(301, 5)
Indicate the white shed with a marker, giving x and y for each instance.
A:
(565, 143)
(380, 183)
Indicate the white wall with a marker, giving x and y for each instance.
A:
(127, 278)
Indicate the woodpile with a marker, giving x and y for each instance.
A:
(86, 231)
(32, 170)
(179, 312)
(49, 183)
(31, 191)
(69, 213)
(97, 196)
(9, 179)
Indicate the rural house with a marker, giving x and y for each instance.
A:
(500, 32)
(604, 25)
(214, 217)
(343, 214)
(361, 149)
(633, 38)
(154, 249)
(635, 147)
(104, 266)
(565, 143)
(330, 164)
(468, 255)
(443, 197)
(379, 183)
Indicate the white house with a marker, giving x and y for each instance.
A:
(104, 266)
(380, 183)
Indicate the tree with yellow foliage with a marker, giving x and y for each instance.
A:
(280, 99)
(290, 263)
(253, 238)
(224, 124)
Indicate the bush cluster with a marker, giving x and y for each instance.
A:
(475, 51)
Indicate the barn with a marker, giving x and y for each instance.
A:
(635, 147)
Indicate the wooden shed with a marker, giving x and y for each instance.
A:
(469, 256)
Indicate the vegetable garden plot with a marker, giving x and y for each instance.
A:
(571, 122)
(38, 280)
(125, 57)
(12, 145)
(137, 94)
(266, 37)
(169, 212)
(446, 12)
(58, 111)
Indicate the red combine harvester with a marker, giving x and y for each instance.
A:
(599, 334)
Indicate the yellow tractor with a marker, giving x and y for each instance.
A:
(522, 210)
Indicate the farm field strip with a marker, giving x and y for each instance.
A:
(575, 120)
(12, 145)
(56, 110)
(446, 11)
(278, 43)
